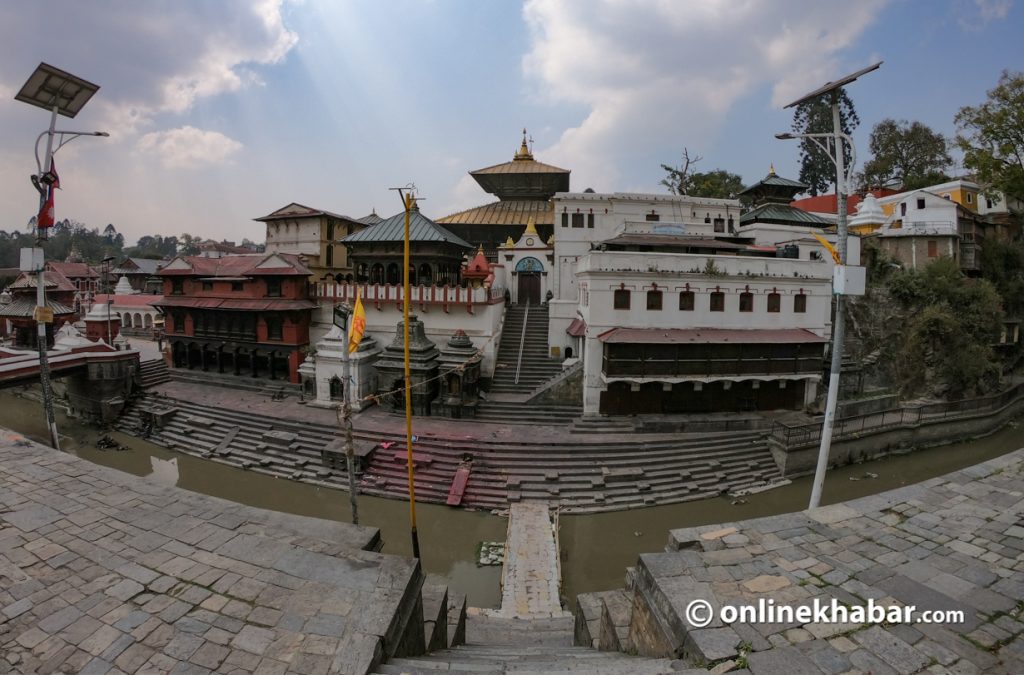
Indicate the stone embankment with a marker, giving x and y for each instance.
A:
(578, 473)
(105, 572)
(953, 543)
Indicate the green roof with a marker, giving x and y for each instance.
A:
(775, 180)
(421, 229)
(782, 213)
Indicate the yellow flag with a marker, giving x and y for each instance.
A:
(358, 325)
(829, 247)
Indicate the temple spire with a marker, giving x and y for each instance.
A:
(524, 149)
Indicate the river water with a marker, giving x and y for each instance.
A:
(595, 549)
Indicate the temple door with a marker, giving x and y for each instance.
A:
(529, 288)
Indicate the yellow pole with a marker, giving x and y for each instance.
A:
(408, 385)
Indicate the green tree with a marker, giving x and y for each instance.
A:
(991, 137)
(1002, 263)
(907, 153)
(717, 183)
(944, 344)
(815, 117)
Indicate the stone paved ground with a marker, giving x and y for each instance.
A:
(105, 572)
(950, 543)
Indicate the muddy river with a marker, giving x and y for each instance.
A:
(596, 549)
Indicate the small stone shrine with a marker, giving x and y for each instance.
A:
(330, 371)
(460, 376)
(423, 356)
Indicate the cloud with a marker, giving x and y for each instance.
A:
(188, 147)
(993, 9)
(149, 59)
(664, 73)
(973, 16)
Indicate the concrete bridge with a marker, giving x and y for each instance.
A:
(98, 378)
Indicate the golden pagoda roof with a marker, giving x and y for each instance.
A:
(513, 212)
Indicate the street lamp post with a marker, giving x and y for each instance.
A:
(843, 176)
(62, 94)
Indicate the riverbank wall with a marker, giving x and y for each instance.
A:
(877, 433)
(951, 544)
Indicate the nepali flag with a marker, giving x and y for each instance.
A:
(46, 215)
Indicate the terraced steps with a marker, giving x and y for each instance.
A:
(488, 659)
(579, 474)
(152, 373)
(536, 367)
(274, 388)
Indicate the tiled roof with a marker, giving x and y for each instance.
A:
(775, 180)
(242, 304)
(73, 269)
(25, 307)
(708, 336)
(371, 219)
(827, 203)
(512, 212)
(782, 213)
(138, 300)
(519, 166)
(421, 229)
(144, 265)
(238, 265)
(295, 210)
(55, 281)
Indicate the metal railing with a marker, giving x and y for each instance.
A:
(799, 435)
(522, 341)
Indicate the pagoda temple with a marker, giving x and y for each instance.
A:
(771, 197)
(524, 188)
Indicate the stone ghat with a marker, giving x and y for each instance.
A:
(949, 543)
(102, 571)
(574, 473)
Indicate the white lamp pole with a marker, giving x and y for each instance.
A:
(843, 176)
(60, 93)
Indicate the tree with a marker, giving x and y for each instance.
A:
(678, 179)
(815, 117)
(991, 137)
(908, 153)
(950, 321)
(717, 183)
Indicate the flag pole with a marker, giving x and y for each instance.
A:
(408, 201)
(346, 407)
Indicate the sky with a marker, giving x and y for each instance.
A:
(220, 112)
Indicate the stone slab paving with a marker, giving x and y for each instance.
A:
(955, 542)
(103, 572)
(530, 574)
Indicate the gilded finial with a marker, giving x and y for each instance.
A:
(524, 149)
(531, 227)
(771, 169)
(509, 243)
(551, 240)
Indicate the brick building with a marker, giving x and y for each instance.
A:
(242, 315)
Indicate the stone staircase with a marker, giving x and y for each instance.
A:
(524, 412)
(152, 373)
(516, 645)
(579, 474)
(536, 367)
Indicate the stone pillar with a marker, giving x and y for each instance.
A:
(592, 385)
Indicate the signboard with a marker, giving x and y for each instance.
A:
(43, 315)
(31, 260)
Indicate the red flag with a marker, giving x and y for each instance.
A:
(45, 218)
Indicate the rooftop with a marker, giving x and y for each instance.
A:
(421, 229)
(708, 336)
